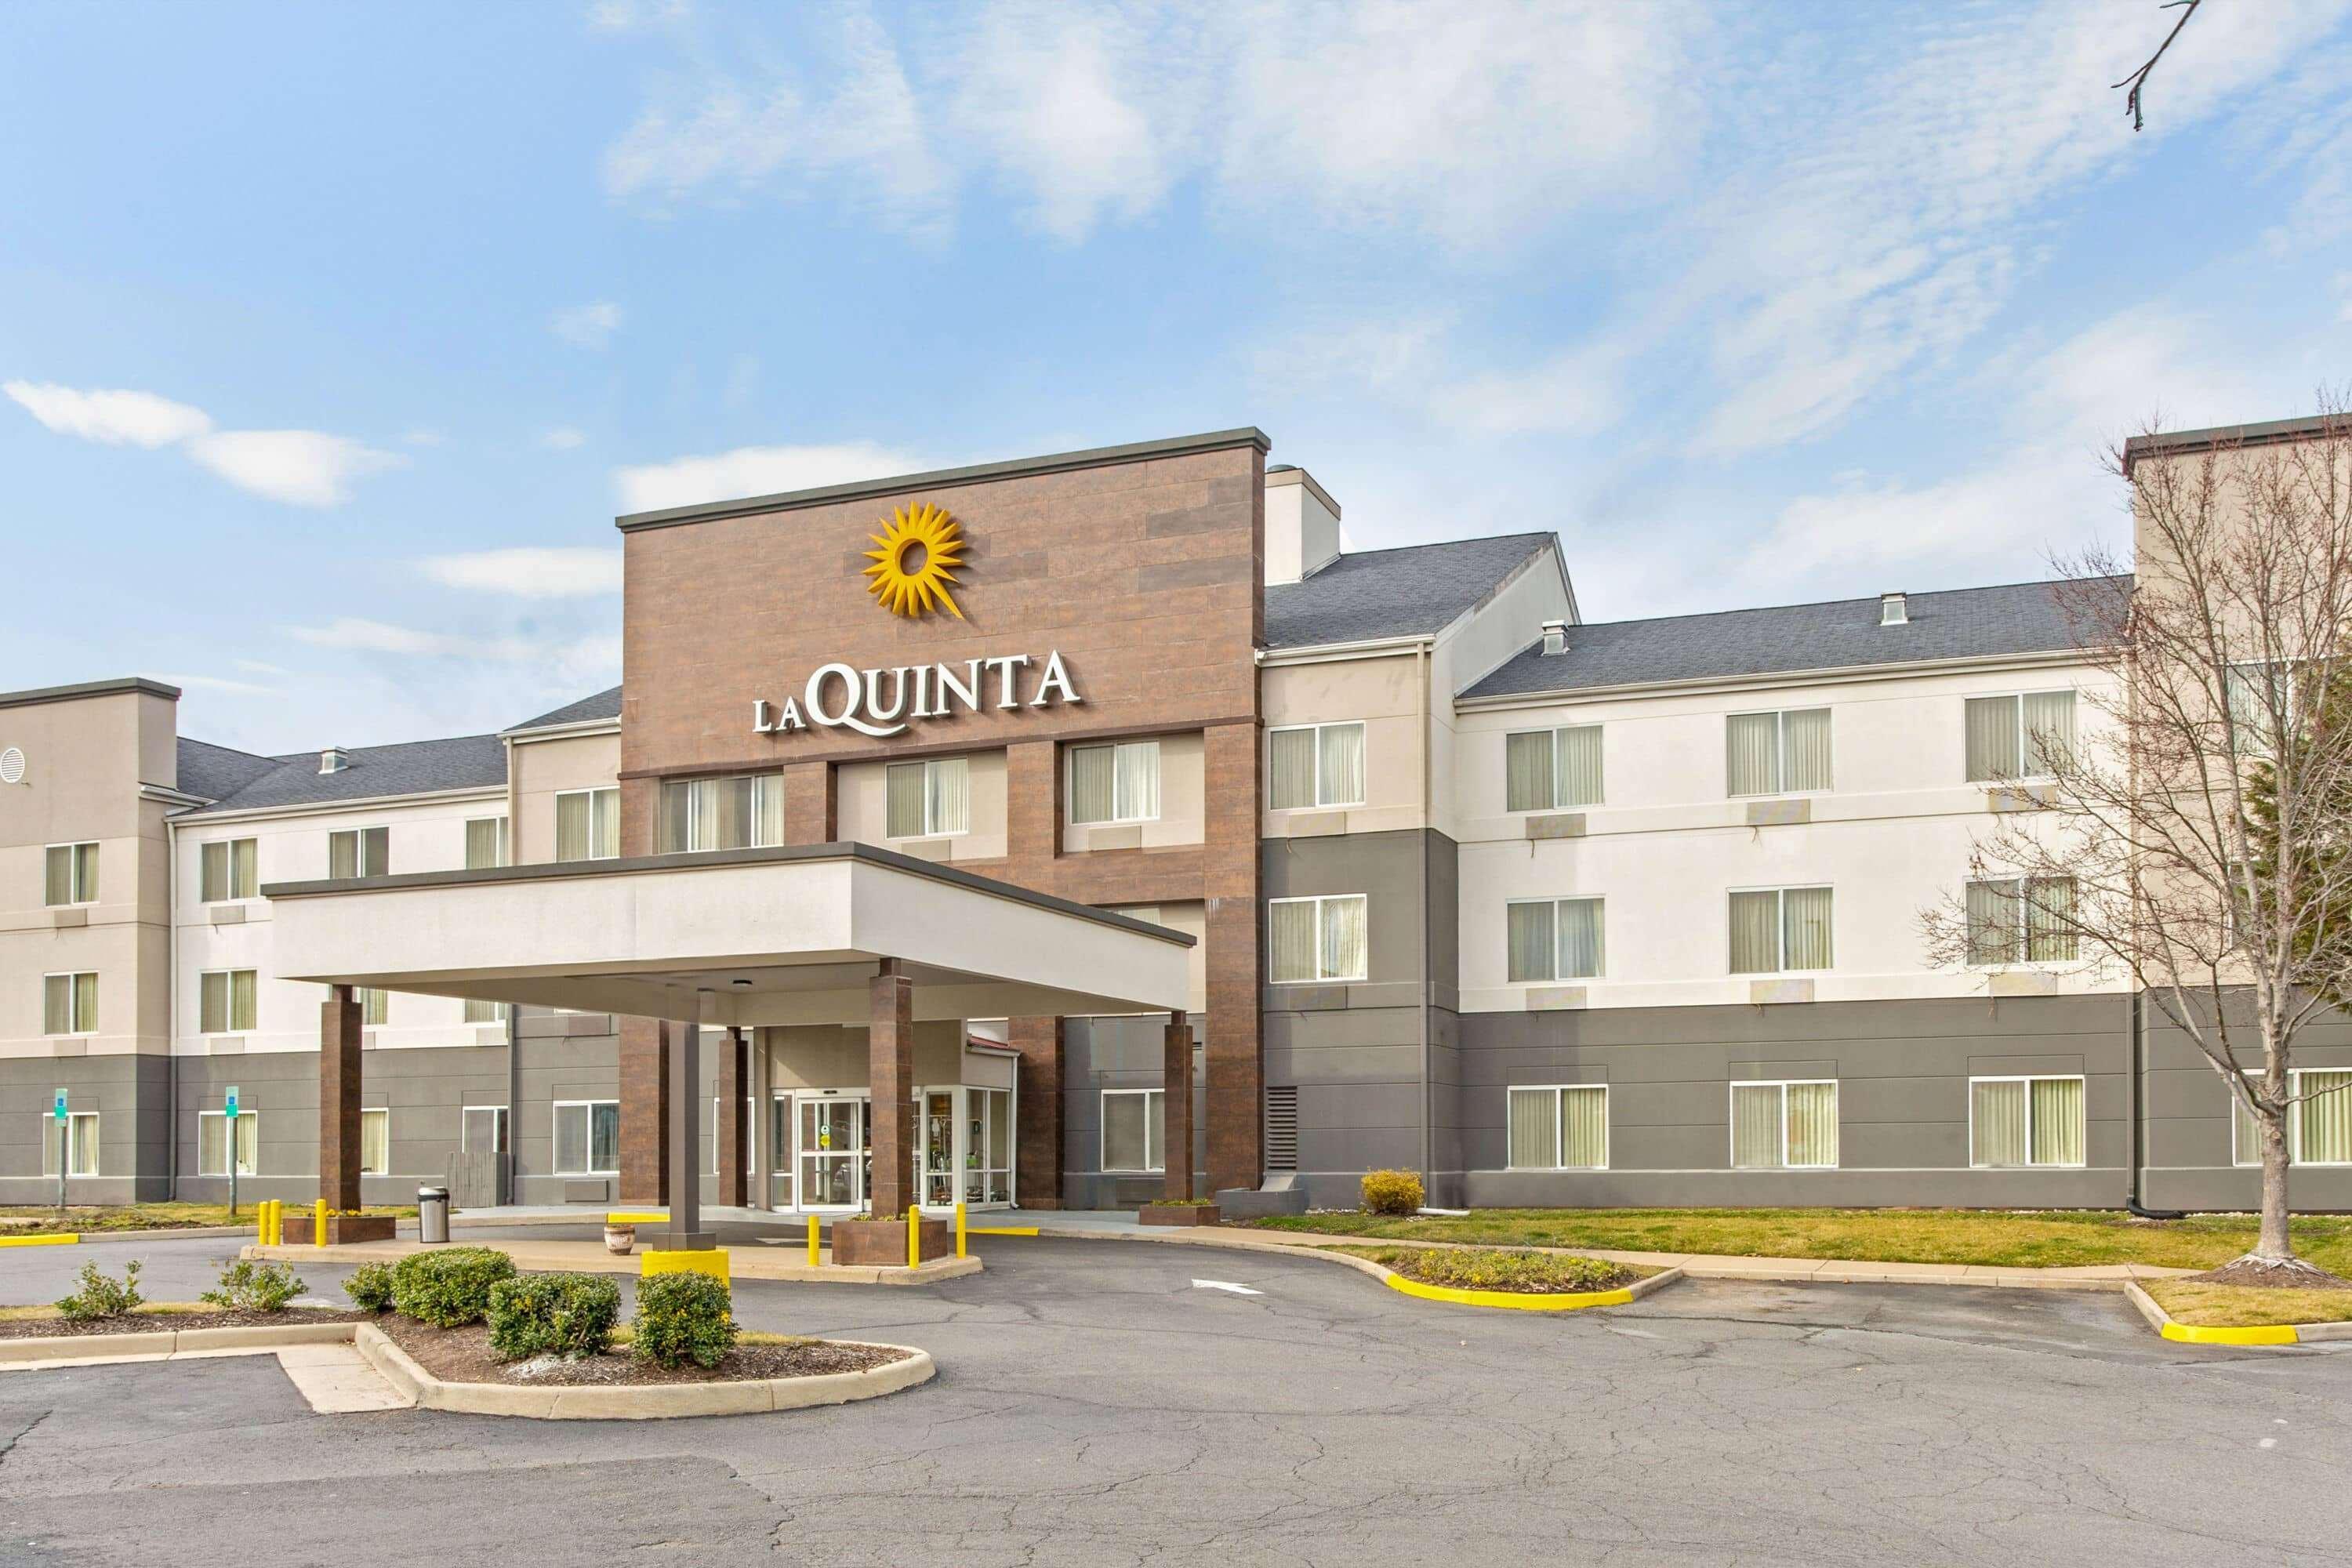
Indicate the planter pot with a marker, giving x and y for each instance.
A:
(620, 1239)
(872, 1243)
(1178, 1214)
(340, 1228)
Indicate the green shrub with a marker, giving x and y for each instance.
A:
(249, 1287)
(369, 1286)
(449, 1286)
(101, 1296)
(1504, 1268)
(552, 1314)
(1392, 1192)
(683, 1318)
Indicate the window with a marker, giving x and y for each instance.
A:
(1554, 938)
(1777, 754)
(226, 868)
(1317, 939)
(741, 812)
(2262, 698)
(927, 800)
(375, 1143)
(1547, 770)
(359, 852)
(482, 1130)
(587, 1137)
(71, 874)
(375, 1005)
(1559, 1128)
(486, 843)
(1315, 765)
(69, 1004)
(212, 1155)
(1780, 929)
(1115, 783)
(1134, 1130)
(1784, 1126)
(2022, 920)
(224, 1002)
(750, 1120)
(2319, 1127)
(481, 1012)
(2025, 1121)
(588, 824)
(81, 1141)
(2016, 737)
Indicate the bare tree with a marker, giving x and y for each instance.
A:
(2137, 81)
(2193, 831)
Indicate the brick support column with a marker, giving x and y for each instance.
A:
(645, 1111)
(811, 806)
(339, 1100)
(1233, 1048)
(734, 1078)
(1176, 1080)
(1037, 1143)
(890, 1081)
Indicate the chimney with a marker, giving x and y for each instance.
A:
(1302, 525)
(1893, 609)
(1554, 637)
(333, 760)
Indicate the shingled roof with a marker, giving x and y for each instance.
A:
(1960, 623)
(414, 767)
(212, 772)
(605, 704)
(1411, 591)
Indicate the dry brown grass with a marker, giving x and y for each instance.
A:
(2209, 1306)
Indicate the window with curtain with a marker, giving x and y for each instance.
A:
(225, 1001)
(1780, 929)
(1553, 939)
(227, 868)
(2018, 737)
(927, 799)
(374, 1005)
(1115, 783)
(2026, 1122)
(359, 852)
(2318, 1126)
(69, 1004)
(1321, 939)
(587, 1137)
(481, 1012)
(1134, 1126)
(375, 1143)
(2022, 920)
(81, 1144)
(1552, 770)
(1776, 753)
(70, 874)
(486, 843)
(212, 1142)
(1560, 1126)
(1314, 765)
(1784, 1126)
(588, 824)
(2261, 698)
(742, 811)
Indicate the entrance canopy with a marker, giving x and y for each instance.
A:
(729, 938)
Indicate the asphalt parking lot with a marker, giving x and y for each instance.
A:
(1096, 1406)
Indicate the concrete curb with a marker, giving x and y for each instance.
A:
(166, 1342)
(42, 1238)
(641, 1402)
(2171, 1328)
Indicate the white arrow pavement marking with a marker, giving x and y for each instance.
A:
(1225, 1285)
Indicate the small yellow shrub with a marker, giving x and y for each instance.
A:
(1392, 1192)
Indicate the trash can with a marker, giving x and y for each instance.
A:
(432, 1214)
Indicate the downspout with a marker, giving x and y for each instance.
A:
(1420, 863)
(2138, 1095)
(171, 1011)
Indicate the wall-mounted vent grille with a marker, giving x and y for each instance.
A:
(12, 766)
(1282, 1128)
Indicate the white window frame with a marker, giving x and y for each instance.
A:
(1320, 803)
(771, 778)
(2024, 736)
(230, 1140)
(1780, 716)
(2238, 1157)
(1116, 819)
(73, 1143)
(1781, 935)
(587, 1138)
(227, 847)
(2019, 956)
(1558, 803)
(1555, 1091)
(358, 847)
(503, 1129)
(1556, 978)
(613, 790)
(232, 1027)
(384, 1111)
(1731, 1118)
(1102, 1134)
(752, 1110)
(81, 1026)
(1319, 900)
(506, 840)
(931, 829)
(2029, 1079)
(84, 896)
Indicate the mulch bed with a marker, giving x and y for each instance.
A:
(1520, 1272)
(2240, 1271)
(166, 1322)
(463, 1355)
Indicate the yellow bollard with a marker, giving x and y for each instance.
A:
(269, 1222)
(962, 1246)
(278, 1221)
(914, 1237)
(814, 1262)
(319, 1224)
(261, 1223)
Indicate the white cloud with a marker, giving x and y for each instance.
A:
(116, 419)
(753, 472)
(565, 659)
(529, 573)
(587, 326)
(217, 683)
(423, 437)
(300, 467)
(255, 667)
(1570, 393)
(621, 15)
(562, 438)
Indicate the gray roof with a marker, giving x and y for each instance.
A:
(414, 767)
(1412, 591)
(605, 704)
(214, 772)
(1961, 623)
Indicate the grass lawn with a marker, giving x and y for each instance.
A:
(144, 1309)
(91, 1218)
(2246, 1306)
(1500, 1269)
(2035, 1239)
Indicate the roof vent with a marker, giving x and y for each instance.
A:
(1893, 610)
(1555, 637)
(334, 760)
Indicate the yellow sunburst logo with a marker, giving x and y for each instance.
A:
(915, 557)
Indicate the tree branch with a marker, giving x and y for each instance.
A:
(2139, 78)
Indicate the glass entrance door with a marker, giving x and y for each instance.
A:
(780, 1152)
(934, 1147)
(836, 1153)
(963, 1148)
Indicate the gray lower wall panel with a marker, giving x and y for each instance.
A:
(1120, 1053)
(133, 1129)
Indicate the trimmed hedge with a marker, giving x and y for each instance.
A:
(1392, 1192)
(552, 1314)
(369, 1286)
(448, 1287)
(683, 1318)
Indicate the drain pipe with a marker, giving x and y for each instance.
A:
(2138, 1132)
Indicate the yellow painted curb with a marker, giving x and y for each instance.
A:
(625, 1217)
(62, 1241)
(710, 1261)
(1523, 1300)
(2258, 1334)
(1001, 1230)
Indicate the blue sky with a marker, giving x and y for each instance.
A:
(333, 337)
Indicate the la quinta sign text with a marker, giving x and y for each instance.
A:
(883, 702)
